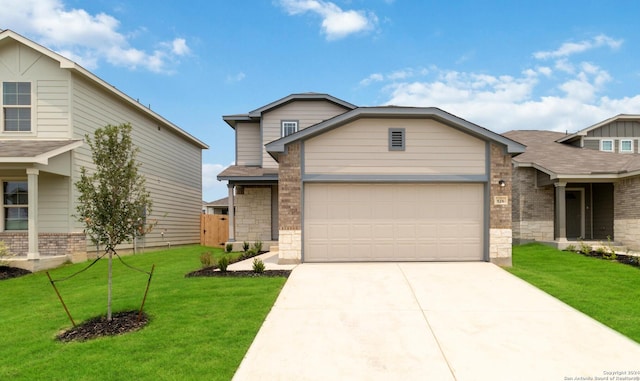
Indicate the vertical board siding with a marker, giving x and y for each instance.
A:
(248, 149)
(171, 165)
(307, 113)
(617, 129)
(362, 147)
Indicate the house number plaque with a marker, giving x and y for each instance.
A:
(501, 200)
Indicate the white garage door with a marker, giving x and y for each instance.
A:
(393, 222)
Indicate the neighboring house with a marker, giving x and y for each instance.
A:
(49, 104)
(326, 181)
(220, 206)
(582, 186)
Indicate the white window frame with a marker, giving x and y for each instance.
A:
(4, 106)
(3, 206)
(285, 125)
(602, 145)
(620, 146)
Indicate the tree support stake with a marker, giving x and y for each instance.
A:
(61, 301)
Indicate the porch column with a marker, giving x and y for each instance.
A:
(232, 214)
(561, 212)
(32, 189)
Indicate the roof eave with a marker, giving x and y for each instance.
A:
(72, 66)
(278, 146)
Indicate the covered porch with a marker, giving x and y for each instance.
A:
(36, 204)
(253, 205)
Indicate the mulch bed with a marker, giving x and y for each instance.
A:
(7, 272)
(621, 258)
(121, 322)
(213, 272)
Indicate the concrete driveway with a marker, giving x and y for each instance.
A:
(428, 321)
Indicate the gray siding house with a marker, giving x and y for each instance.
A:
(581, 186)
(325, 181)
(49, 104)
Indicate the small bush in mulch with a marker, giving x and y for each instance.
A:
(7, 272)
(121, 322)
(213, 272)
(620, 258)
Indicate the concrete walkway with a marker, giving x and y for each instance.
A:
(428, 321)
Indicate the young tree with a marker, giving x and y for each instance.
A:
(113, 202)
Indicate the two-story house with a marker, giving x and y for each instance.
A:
(581, 186)
(49, 103)
(325, 180)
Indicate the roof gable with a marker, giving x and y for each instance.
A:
(256, 114)
(74, 67)
(589, 131)
(397, 112)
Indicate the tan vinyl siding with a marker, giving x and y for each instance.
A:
(307, 113)
(592, 144)
(53, 109)
(53, 203)
(172, 166)
(362, 147)
(248, 147)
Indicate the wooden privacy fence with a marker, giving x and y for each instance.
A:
(214, 229)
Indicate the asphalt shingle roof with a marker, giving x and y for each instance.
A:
(564, 159)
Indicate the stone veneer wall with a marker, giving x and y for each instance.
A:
(253, 214)
(500, 236)
(289, 205)
(626, 218)
(49, 244)
(532, 207)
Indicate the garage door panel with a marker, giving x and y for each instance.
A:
(397, 222)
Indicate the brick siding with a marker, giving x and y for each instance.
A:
(49, 244)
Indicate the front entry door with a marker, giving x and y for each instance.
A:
(575, 218)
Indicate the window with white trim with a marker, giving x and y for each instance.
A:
(16, 106)
(15, 202)
(289, 127)
(606, 145)
(626, 146)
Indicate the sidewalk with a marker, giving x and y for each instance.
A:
(270, 260)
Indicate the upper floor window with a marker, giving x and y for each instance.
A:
(626, 146)
(289, 127)
(15, 199)
(606, 145)
(16, 106)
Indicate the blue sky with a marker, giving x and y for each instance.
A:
(553, 65)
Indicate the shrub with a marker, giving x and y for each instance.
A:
(258, 266)
(4, 253)
(571, 248)
(245, 246)
(228, 247)
(257, 245)
(584, 248)
(223, 263)
(205, 259)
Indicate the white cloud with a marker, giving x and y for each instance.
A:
(85, 38)
(236, 77)
(567, 97)
(570, 48)
(336, 22)
(212, 189)
(402, 74)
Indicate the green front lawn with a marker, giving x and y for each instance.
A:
(200, 328)
(607, 291)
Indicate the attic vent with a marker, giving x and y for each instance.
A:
(396, 139)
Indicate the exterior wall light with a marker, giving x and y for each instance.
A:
(502, 183)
